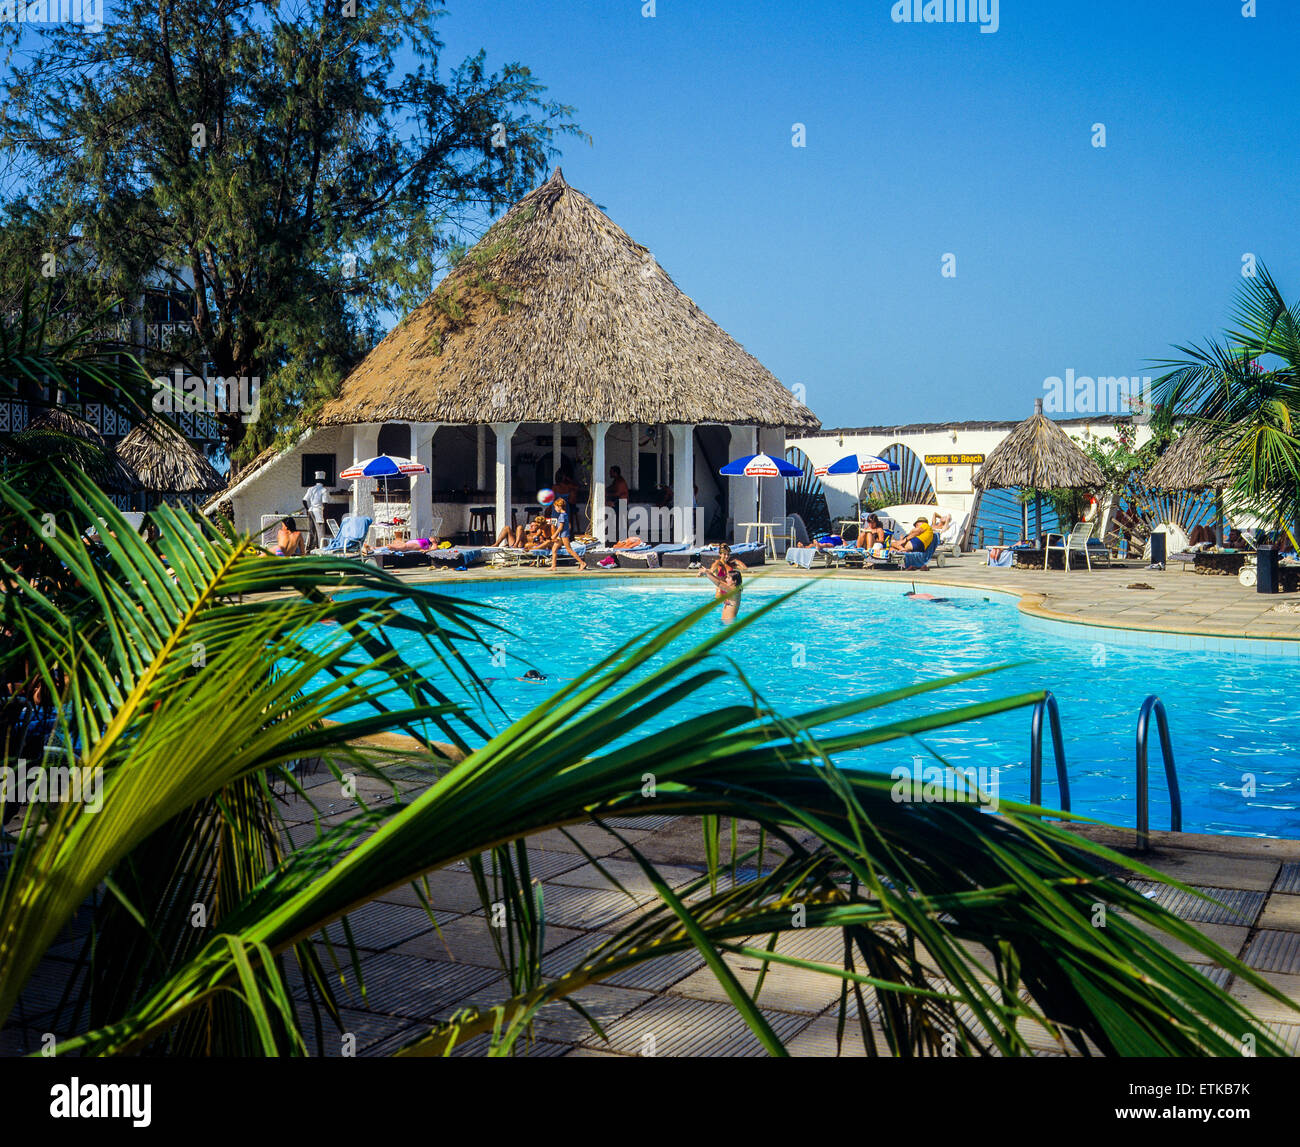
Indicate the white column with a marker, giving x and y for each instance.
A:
(505, 432)
(598, 432)
(480, 472)
(422, 434)
(634, 463)
(743, 491)
(556, 443)
(684, 482)
(772, 442)
(365, 444)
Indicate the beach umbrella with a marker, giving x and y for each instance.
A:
(383, 467)
(1038, 453)
(857, 464)
(760, 466)
(860, 464)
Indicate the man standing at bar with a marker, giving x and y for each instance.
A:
(314, 500)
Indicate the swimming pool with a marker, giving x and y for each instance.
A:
(1235, 730)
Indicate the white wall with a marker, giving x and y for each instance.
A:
(277, 488)
(957, 497)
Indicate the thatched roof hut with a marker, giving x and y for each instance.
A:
(1040, 454)
(56, 432)
(1189, 463)
(557, 314)
(165, 462)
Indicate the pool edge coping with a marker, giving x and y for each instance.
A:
(1028, 602)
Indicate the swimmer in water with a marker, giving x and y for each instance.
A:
(726, 575)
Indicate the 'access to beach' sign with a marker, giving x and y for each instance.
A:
(954, 459)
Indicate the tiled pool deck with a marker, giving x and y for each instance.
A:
(674, 1006)
(416, 974)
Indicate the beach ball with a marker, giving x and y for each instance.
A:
(545, 497)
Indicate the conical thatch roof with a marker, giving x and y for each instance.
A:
(166, 462)
(62, 421)
(1040, 454)
(56, 432)
(557, 315)
(1189, 463)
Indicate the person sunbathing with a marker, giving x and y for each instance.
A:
(512, 536)
(538, 534)
(918, 541)
(871, 533)
(288, 540)
(628, 543)
(403, 546)
(821, 542)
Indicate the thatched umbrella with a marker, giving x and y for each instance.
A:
(56, 432)
(557, 314)
(1191, 462)
(166, 463)
(1039, 454)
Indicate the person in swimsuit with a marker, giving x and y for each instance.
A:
(726, 576)
(400, 546)
(288, 540)
(872, 533)
(562, 534)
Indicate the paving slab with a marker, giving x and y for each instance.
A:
(470, 940)
(1281, 912)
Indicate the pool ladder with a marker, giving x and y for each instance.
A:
(1047, 708)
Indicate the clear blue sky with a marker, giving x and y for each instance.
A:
(824, 261)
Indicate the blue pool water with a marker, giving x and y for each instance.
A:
(1232, 717)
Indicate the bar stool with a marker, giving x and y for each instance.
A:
(483, 522)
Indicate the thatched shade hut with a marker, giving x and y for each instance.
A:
(556, 330)
(165, 463)
(57, 432)
(1191, 462)
(1040, 455)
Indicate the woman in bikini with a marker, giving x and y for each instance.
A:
(726, 576)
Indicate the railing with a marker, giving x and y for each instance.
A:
(1049, 706)
(1153, 705)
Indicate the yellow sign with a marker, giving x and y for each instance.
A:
(954, 459)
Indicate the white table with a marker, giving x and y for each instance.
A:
(767, 534)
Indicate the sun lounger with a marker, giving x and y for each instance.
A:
(381, 557)
(348, 541)
(649, 557)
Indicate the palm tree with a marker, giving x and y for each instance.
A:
(194, 689)
(1245, 392)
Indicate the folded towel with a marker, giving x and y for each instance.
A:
(800, 556)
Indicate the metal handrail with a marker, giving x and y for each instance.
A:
(1153, 705)
(1047, 704)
